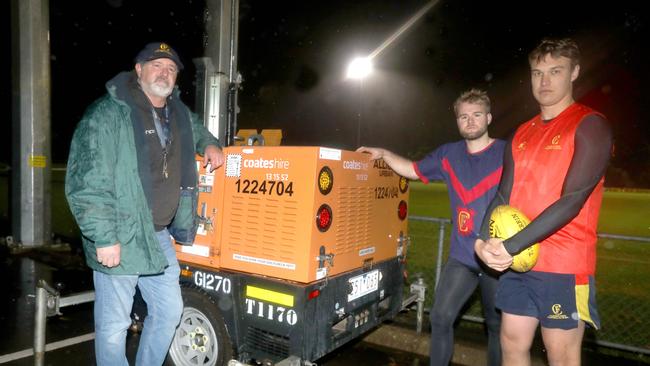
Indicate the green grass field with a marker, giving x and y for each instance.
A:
(623, 293)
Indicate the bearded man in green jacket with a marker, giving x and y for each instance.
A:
(131, 184)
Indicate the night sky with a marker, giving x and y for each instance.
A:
(293, 55)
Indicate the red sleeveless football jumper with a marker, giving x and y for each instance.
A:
(542, 154)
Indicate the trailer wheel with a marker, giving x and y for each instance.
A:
(201, 339)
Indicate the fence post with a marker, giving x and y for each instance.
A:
(441, 239)
(40, 319)
(420, 314)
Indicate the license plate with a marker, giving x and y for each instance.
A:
(363, 284)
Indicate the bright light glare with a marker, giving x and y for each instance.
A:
(359, 68)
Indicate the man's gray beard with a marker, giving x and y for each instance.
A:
(155, 89)
(161, 91)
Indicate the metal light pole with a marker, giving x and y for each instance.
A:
(360, 112)
(31, 123)
(218, 78)
(358, 70)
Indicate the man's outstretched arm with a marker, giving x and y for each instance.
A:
(400, 165)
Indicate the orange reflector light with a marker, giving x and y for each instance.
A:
(324, 218)
(186, 273)
(325, 180)
(401, 210)
(403, 184)
(313, 294)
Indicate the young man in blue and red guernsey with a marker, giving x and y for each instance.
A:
(471, 168)
(553, 172)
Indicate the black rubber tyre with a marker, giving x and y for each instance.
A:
(201, 339)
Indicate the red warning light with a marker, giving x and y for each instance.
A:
(313, 294)
(401, 210)
(324, 218)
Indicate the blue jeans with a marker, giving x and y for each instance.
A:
(113, 303)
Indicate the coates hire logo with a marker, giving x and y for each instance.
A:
(266, 163)
(355, 165)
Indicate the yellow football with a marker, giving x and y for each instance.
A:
(505, 222)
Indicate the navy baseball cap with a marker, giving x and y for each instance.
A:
(156, 50)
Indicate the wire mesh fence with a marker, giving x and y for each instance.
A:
(622, 282)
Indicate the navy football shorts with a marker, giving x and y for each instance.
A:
(557, 300)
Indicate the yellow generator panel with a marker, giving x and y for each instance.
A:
(298, 213)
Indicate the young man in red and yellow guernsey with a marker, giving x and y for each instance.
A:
(553, 171)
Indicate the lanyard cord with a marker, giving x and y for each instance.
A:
(163, 127)
(164, 134)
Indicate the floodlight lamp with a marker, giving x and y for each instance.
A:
(359, 68)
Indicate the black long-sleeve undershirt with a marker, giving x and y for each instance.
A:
(592, 150)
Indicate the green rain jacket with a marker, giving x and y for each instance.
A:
(107, 180)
